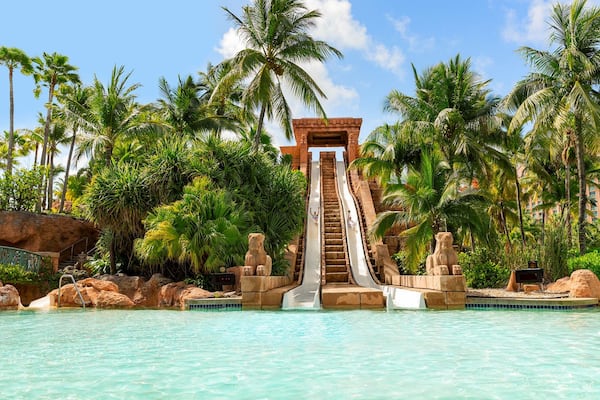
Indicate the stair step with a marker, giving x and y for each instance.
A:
(336, 262)
(336, 277)
(334, 255)
(336, 268)
(334, 247)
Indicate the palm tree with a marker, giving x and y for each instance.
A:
(454, 109)
(277, 39)
(180, 106)
(430, 200)
(13, 58)
(562, 85)
(388, 152)
(113, 115)
(75, 101)
(51, 71)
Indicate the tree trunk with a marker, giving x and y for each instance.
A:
(518, 187)
(579, 155)
(66, 183)
(259, 128)
(49, 191)
(11, 129)
(568, 205)
(504, 227)
(43, 161)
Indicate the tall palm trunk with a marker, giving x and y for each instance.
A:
(579, 155)
(11, 129)
(49, 193)
(66, 183)
(259, 128)
(504, 226)
(518, 187)
(43, 161)
(568, 204)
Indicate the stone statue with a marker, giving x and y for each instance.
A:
(257, 261)
(444, 260)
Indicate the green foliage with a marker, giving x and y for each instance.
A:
(10, 273)
(205, 229)
(483, 269)
(553, 254)
(15, 274)
(19, 191)
(271, 194)
(589, 261)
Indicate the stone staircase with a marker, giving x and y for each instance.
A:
(336, 265)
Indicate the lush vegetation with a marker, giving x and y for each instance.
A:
(459, 158)
(172, 195)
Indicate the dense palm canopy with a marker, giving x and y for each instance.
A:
(559, 94)
(276, 34)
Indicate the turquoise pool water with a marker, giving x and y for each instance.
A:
(300, 355)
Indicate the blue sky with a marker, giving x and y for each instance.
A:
(380, 40)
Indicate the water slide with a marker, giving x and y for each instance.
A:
(307, 296)
(397, 298)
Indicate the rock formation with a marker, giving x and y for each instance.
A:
(581, 283)
(444, 260)
(121, 291)
(257, 261)
(40, 232)
(9, 297)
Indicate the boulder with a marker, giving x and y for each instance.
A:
(584, 283)
(127, 285)
(113, 300)
(563, 285)
(581, 283)
(9, 298)
(175, 294)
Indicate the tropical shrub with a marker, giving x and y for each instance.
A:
(483, 268)
(205, 229)
(20, 191)
(589, 261)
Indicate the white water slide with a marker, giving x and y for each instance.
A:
(397, 298)
(307, 295)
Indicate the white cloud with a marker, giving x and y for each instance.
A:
(533, 28)
(339, 28)
(230, 44)
(415, 42)
(481, 64)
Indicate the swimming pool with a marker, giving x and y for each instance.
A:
(297, 355)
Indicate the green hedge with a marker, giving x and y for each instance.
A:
(589, 261)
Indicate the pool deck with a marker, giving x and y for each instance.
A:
(520, 300)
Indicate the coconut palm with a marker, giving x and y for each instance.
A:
(454, 109)
(388, 151)
(75, 101)
(113, 116)
(430, 200)
(561, 86)
(51, 70)
(13, 58)
(180, 106)
(276, 34)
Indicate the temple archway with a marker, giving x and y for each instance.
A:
(315, 132)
